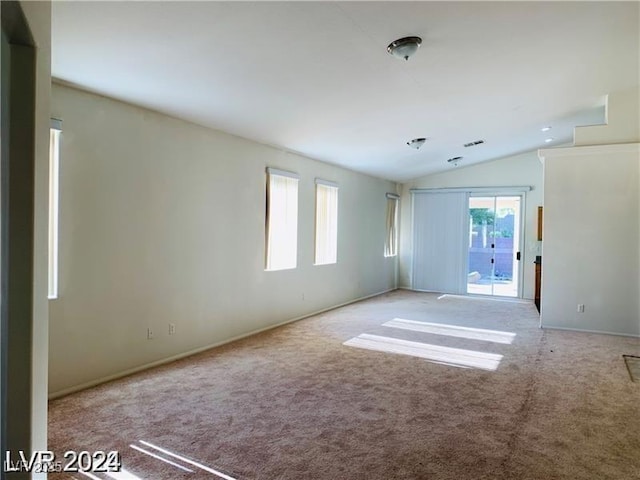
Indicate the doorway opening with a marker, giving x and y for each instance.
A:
(495, 232)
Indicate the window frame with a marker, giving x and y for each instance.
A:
(55, 137)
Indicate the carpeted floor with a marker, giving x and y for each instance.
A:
(295, 403)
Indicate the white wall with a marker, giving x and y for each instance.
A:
(162, 221)
(519, 170)
(591, 247)
(591, 243)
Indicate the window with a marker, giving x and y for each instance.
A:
(281, 225)
(326, 222)
(54, 165)
(391, 239)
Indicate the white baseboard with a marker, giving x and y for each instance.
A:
(599, 332)
(486, 297)
(472, 296)
(146, 366)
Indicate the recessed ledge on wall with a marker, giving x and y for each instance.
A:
(497, 190)
(618, 148)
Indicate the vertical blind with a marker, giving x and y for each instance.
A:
(281, 220)
(440, 233)
(391, 239)
(326, 222)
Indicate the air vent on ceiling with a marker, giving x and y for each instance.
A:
(416, 143)
(454, 160)
(473, 144)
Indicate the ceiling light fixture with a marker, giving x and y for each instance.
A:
(545, 129)
(416, 142)
(548, 140)
(404, 47)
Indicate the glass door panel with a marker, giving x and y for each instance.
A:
(494, 244)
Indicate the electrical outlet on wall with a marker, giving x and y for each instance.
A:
(172, 329)
(149, 334)
(581, 308)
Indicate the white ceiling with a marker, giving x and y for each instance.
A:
(315, 77)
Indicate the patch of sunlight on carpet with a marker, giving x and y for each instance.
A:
(122, 475)
(183, 459)
(455, 357)
(452, 330)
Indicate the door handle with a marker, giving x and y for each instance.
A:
(518, 256)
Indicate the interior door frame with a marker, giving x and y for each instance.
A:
(17, 228)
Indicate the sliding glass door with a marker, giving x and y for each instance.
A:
(494, 245)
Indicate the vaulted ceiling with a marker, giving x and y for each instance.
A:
(315, 77)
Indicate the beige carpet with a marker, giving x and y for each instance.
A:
(295, 403)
